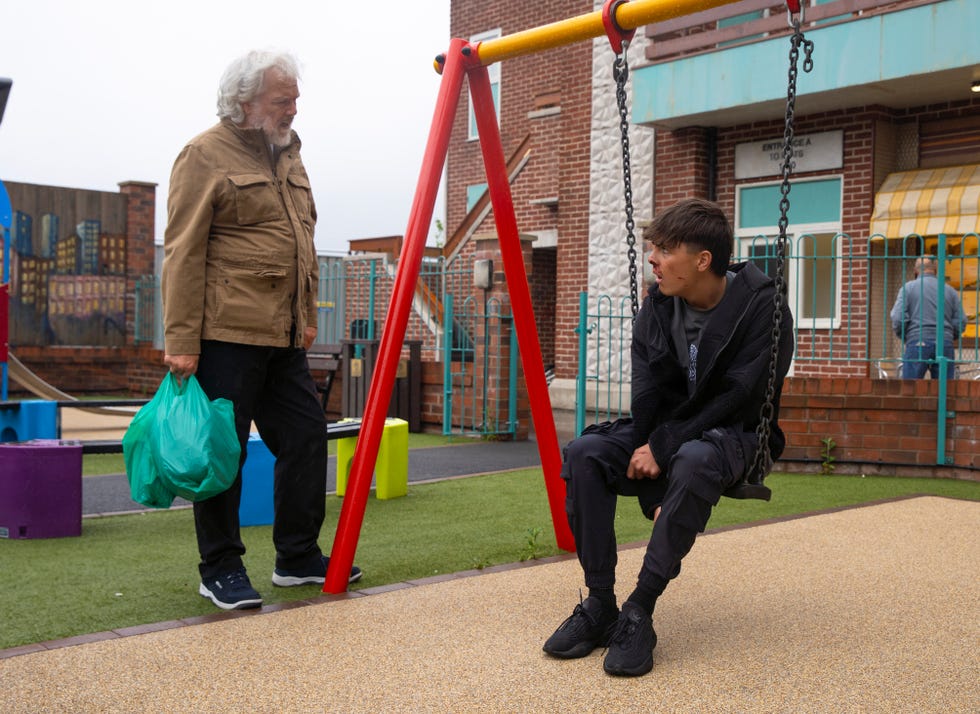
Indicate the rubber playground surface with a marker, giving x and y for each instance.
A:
(868, 609)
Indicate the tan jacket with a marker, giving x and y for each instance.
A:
(239, 260)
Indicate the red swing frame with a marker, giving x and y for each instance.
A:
(618, 20)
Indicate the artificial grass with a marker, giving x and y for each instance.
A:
(140, 569)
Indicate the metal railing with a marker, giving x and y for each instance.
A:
(352, 300)
(479, 368)
(474, 340)
(355, 292)
(753, 21)
(841, 292)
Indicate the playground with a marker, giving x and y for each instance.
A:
(865, 608)
(871, 608)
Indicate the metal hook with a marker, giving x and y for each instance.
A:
(621, 68)
(800, 8)
(617, 35)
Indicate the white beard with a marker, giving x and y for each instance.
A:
(273, 133)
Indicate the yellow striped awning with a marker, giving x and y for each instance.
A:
(928, 202)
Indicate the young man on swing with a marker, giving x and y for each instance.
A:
(701, 349)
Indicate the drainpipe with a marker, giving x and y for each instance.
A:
(711, 140)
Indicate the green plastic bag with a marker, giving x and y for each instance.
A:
(192, 445)
(145, 486)
(195, 445)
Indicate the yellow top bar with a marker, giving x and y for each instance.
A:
(629, 16)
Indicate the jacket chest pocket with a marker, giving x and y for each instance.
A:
(256, 199)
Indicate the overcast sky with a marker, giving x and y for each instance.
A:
(109, 91)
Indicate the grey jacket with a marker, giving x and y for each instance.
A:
(914, 313)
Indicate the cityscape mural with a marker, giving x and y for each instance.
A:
(67, 268)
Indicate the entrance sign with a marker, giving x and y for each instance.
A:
(811, 152)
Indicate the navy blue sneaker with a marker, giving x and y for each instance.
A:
(314, 574)
(231, 591)
(631, 646)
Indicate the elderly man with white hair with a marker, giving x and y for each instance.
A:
(240, 278)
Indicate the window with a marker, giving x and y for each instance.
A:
(473, 193)
(818, 281)
(813, 251)
(493, 72)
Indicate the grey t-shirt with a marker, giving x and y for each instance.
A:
(686, 327)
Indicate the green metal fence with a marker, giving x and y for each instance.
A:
(840, 292)
(479, 369)
(470, 340)
(604, 335)
(355, 292)
(958, 265)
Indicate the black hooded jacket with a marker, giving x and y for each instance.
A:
(732, 368)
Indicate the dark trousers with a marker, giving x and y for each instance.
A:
(690, 486)
(273, 387)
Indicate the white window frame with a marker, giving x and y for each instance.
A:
(796, 278)
(493, 73)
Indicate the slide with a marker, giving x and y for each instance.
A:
(34, 384)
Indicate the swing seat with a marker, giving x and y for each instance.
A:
(747, 489)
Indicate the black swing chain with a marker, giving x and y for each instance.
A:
(763, 459)
(621, 74)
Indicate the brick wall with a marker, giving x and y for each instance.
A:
(681, 168)
(880, 426)
(123, 371)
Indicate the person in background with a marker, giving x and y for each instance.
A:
(914, 319)
(239, 286)
(701, 352)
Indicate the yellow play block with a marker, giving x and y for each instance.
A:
(391, 467)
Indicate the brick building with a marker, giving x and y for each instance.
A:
(544, 112)
(563, 123)
(888, 143)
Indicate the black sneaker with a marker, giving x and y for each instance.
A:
(315, 573)
(631, 645)
(231, 591)
(588, 627)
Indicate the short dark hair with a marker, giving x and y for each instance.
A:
(698, 225)
(926, 263)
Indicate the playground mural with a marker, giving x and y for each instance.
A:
(67, 282)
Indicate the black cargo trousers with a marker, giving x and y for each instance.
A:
(689, 486)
